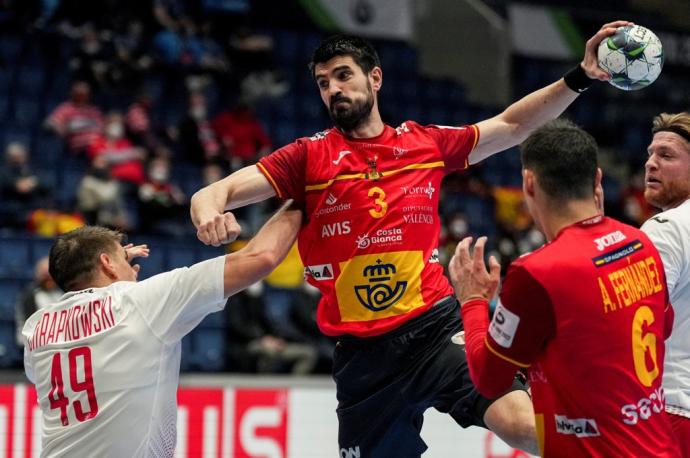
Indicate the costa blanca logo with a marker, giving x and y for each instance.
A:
(381, 290)
(503, 326)
(382, 237)
(580, 427)
(320, 272)
(416, 191)
(433, 259)
(609, 239)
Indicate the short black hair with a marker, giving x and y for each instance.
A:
(74, 255)
(362, 52)
(564, 159)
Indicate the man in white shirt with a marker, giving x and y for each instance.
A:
(105, 358)
(667, 186)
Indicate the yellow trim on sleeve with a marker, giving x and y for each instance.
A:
(503, 357)
(352, 176)
(270, 178)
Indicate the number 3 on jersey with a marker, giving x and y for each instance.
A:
(57, 397)
(380, 204)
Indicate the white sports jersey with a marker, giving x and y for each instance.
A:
(670, 232)
(106, 361)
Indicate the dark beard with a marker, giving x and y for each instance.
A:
(349, 119)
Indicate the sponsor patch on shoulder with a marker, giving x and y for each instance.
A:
(503, 326)
(618, 253)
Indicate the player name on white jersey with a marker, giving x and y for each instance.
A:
(73, 323)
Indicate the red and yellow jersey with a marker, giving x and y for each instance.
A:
(370, 235)
(588, 314)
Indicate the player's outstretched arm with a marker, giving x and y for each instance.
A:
(243, 187)
(513, 125)
(264, 252)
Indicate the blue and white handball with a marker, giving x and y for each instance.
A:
(633, 56)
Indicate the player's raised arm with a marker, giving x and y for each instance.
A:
(240, 188)
(516, 122)
(264, 252)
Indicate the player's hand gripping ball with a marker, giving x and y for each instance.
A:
(633, 56)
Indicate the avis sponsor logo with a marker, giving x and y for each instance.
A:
(350, 452)
(379, 294)
(609, 239)
(382, 237)
(419, 191)
(503, 326)
(581, 427)
(339, 228)
(320, 272)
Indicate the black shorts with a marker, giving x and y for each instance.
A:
(385, 383)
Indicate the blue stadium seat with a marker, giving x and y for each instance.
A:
(208, 348)
(10, 48)
(14, 256)
(10, 354)
(40, 247)
(10, 288)
(27, 112)
(213, 321)
(30, 80)
(154, 264)
(180, 255)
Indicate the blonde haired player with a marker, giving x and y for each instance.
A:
(667, 186)
(105, 358)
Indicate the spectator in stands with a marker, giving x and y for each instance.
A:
(212, 172)
(20, 189)
(139, 125)
(126, 161)
(132, 57)
(196, 136)
(93, 59)
(241, 135)
(39, 293)
(251, 345)
(162, 205)
(100, 198)
(77, 121)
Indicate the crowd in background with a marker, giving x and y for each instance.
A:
(159, 91)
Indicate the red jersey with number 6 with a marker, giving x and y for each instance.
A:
(588, 313)
(370, 235)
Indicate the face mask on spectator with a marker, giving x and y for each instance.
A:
(198, 113)
(458, 227)
(115, 130)
(159, 174)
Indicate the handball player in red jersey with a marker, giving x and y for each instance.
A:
(370, 195)
(587, 313)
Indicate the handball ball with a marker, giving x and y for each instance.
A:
(633, 56)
